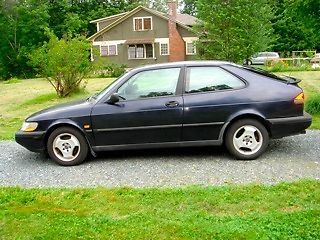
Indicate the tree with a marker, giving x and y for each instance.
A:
(189, 7)
(63, 62)
(159, 5)
(297, 24)
(22, 27)
(233, 30)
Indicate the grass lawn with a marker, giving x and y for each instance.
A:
(311, 85)
(284, 211)
(21, 98)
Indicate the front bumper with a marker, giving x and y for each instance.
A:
(33, 141)
(283, 127)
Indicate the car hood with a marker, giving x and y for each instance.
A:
(68, 110)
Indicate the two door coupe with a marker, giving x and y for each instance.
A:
(173, 105)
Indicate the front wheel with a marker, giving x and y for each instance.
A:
(247, 139)
(67, 146)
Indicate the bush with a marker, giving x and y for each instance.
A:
(115, 70)
(313, 104)
(288, 66)
(109, 70)
(12, 80)
(64, 63)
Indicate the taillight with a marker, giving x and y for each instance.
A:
(299, 99)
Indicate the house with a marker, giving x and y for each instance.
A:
(145, 36)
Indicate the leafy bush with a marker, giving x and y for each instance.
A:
(64, 63)
(12, 80)
(313, 104)
(288, 66)
(109, 70)
(115, 70)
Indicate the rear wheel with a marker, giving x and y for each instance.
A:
(247, 139)
(67, 147)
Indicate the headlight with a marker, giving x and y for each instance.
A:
(29, 126)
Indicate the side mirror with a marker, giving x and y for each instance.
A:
(114, 98)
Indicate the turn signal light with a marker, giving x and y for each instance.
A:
(299, 99)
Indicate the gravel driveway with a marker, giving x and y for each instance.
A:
(287, 159)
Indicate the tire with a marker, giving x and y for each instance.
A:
(67, 146)
(247, 139)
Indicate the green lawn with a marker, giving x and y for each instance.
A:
(311, 85)
(284, 211)
(21, 98)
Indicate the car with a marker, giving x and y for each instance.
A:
(181, 104)
(262, 58)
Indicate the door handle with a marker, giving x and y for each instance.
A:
(172, 104)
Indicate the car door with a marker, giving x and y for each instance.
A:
(150, 112)
(211, 95)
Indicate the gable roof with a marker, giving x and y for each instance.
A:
(109, 18)
(126, 15)
(187, 19)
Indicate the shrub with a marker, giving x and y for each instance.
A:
(109, 70)
(115, 70)
(313, 104)
(12, 80)
(64, 63)
(288, 65)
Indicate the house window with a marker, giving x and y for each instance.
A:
(164, 49)
(104, 51)
(191, 48)
(142, 24)
(112, 50)
(140, 51)
(108, 50)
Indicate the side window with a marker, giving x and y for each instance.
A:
(205, 79)
(152, 83)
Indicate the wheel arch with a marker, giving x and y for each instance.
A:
(66, 123)
(246, 115)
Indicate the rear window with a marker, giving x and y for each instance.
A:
(266, 73)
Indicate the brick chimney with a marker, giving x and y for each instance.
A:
(176, 43)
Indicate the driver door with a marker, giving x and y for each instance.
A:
(150, 111)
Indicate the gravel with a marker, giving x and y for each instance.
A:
(287, 159)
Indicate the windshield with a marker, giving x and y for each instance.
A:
(104, 91)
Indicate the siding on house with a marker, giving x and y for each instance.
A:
(123, 33)
(106, 23)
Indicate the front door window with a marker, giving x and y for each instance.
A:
(152, 83)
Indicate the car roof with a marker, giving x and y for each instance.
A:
(187, 63)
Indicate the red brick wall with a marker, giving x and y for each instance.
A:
(176, 43)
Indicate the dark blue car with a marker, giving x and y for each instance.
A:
(173, 105)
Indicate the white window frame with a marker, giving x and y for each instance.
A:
(142, 18)
(144, 51)
(108, 46)
(195, 48)
(160, 49)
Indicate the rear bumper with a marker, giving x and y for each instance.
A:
(282, 127)
(33, 141)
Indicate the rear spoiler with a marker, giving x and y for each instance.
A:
(291, 80)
